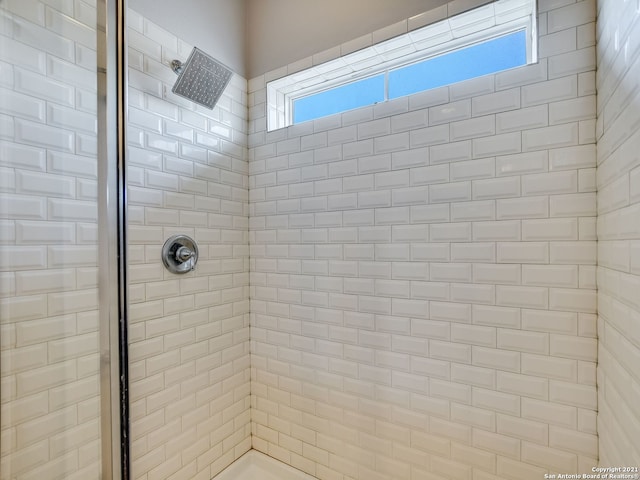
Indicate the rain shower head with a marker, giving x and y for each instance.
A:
(201, 79)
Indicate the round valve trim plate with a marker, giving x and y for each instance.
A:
(180, 254)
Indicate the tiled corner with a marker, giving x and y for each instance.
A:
(618, 420)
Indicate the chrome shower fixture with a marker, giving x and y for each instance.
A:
(180, 254)
(201, 79)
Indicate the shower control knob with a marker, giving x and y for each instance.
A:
(180, 254)
(183, 254)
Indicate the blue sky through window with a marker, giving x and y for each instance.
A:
(481, 59)
(339, 99)
(492, 56)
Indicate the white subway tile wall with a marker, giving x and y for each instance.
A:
(49, 361)
(189, 334)
(617, 130)
(423, 272)
(423, 300)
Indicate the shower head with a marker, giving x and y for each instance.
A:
(201, 79)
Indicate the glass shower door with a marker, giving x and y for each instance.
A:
(49, 241)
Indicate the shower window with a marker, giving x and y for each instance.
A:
(492, 56)
(482, 41)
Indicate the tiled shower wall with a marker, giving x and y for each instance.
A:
(189, 334)
(423, 275)
(618, 179)
(48, 241)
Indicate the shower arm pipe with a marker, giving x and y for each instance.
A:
(112, 281)
(176, 66)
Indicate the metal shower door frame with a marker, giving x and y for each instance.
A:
(112, 205)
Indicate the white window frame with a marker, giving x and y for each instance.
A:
(475, 26)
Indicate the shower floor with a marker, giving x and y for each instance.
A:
(254, 465)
